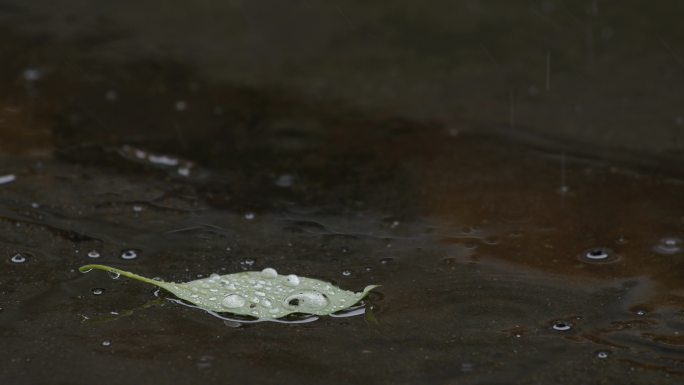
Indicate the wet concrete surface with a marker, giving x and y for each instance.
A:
(508, 251)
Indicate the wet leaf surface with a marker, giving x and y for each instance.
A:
(263, 295)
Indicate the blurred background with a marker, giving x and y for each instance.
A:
(608, 73)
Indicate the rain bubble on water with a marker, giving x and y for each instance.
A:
(129, 254)
(669, 246)
(18, 258)
(602, 354)
(346, 273)
(106, 343)
(113, 274)
(93, 254)
(386, 261)
(598, 255)
(97, 291)
(562, 326)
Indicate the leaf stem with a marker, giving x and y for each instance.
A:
(87, 268)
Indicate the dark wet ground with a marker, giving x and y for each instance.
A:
(505, 255)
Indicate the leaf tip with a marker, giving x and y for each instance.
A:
(368, 289)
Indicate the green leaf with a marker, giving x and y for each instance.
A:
(263, 294)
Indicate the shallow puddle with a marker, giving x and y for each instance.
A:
(504, 256)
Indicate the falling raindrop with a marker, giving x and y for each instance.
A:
(250, 216)
(180, 105)
(386, 261)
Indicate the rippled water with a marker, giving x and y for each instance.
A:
(488, 272)
(504, 256)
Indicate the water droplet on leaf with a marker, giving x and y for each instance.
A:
(269, 272)
(232, 301)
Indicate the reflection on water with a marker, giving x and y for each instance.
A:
(503, 256)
